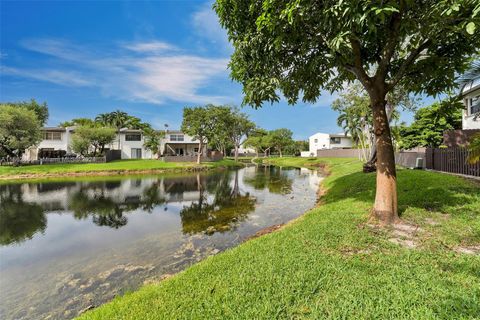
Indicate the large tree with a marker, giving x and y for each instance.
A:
(19, 130)
(259, 140)
(239, 127)
(299, 47)
(280, 139)
(199, 123)
(40, 110)
(96, 136)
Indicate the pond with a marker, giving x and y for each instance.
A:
(72, 245)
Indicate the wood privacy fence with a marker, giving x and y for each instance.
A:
(453, 160)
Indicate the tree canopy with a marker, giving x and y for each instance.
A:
(429, 124)
(86, 138)
(19, 130)
(299, 48)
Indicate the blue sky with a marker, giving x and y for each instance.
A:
(148, 58)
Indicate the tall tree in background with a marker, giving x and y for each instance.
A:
(40, 110)
(429, 123)
(19, 130)
(300, 47)
(97, 138)
(153, 140)
(281, 139)
(199, 123)
(78, 122)
(117, 119)
(258, 140)
(239, 128)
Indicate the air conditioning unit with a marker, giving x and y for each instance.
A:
(419, 163)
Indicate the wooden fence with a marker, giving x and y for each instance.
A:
(453, 160)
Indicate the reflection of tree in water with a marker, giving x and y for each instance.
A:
(108, 211)
(271, 178)
(152, 197)
(19, 220)
(223, 213)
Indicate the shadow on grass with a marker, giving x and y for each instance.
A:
(419, 189)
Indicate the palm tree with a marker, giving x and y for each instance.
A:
(104, 119)
(118, 119)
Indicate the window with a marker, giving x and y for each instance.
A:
(136, 153)
(474, 105)
(335, 140)
(195, 150)
(176, 137)
(133, 137)
(52, 135)
(316, 140)
(179, 151)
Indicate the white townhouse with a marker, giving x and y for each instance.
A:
(129, 141)
(320, 141)
(176, 143)
(471, 101)
(53, 139)
(131, 144)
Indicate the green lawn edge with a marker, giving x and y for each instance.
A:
(40, 172)
(330, 264)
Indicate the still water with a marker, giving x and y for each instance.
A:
(69, 246)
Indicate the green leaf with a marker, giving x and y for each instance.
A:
(471, 28)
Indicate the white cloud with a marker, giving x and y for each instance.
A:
(152, 47)
(153, 71)
(66, 78)
(206, 24)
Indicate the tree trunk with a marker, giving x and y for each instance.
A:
(371, 164)
(236, 153)
(385, 208)
(280, 152)
(199, 155)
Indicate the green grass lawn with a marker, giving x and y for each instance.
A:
(330, 264)
(120, 165)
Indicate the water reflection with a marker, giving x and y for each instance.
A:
(226, 208)
(211, 203)
(68, 245)
(272, 178)
(19, 220)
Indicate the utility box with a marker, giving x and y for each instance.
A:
(419, 163)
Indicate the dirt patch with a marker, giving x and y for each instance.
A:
(474, 250)
(400, 233)
(265, 231)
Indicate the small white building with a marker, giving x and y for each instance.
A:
(320, 141)
(471, 100)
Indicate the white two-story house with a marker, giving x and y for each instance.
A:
(320, 141)
(129, 141)
(176, 143)
(471, 100)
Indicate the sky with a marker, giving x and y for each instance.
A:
(148, 58)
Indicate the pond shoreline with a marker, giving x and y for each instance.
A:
(105, 173)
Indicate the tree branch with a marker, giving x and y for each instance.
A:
(407, 63)
(389, 48)
(358, 69)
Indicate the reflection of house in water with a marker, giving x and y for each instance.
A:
(204, 201)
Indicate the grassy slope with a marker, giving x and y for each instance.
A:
(121, 165)
(326, 265)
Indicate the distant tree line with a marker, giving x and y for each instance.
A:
(226, 128)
